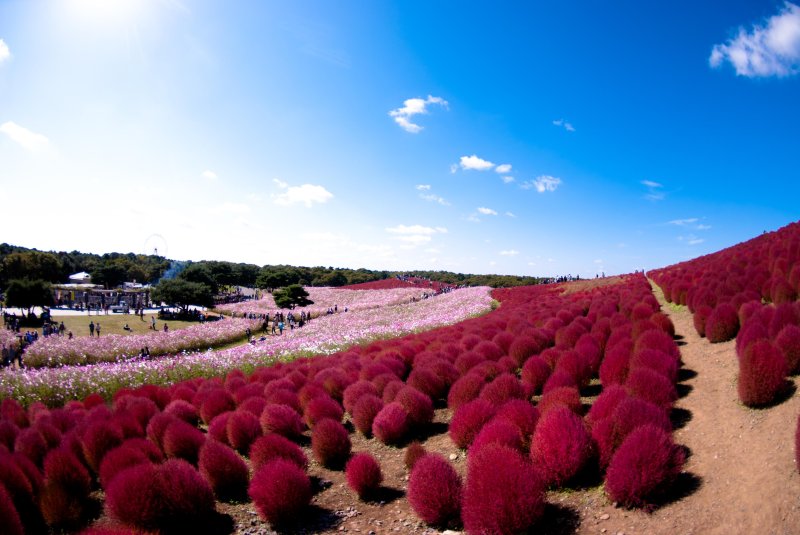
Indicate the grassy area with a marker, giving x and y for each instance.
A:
(113, 324)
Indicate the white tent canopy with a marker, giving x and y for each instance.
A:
(80, 277)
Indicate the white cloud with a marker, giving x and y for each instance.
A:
(474, 163)
(567, 126)
(5, 53)
(423, 187)
(691, 239)
(234, 208)
(503, 169)
(209, 175)
(414, 106)
(542, 183)
(27, 139)
(415, 234)
(768, 50)
(508, 179)
(453, 168)
(510, 252)
(703, 227)
(683, 222)
(510, 214)
(473, 218)
(654, 190)
(434, 198)
(486, 211)
(307, 194)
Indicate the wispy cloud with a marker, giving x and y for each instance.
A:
(27, 139)
(683, 222)
(486, 211)
(564, 124)
(508, 179)
(209, 175)
(655, 190)
(431, 197)
(423, 187)
(509, 252)
(474, 163)
(307, 194)
(510, 214)
(411, 107)
(542, 183)
(770, 49)
(691, 239)
(415, 234)
(5, 53)
(503, 169)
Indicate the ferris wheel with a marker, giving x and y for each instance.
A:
(155, 245)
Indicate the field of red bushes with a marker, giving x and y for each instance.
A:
(477, 426)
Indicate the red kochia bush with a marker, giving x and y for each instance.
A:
(762, 373)
(504, 387)
(183, 441)
(282, 420)
(363, 474)
(500, 432)
(645, 463)
(330, 443)
(272, 446)
(156, 427)
(64, 496)
(364, 412)
(118, 459)
(322, 407)
(414, 452)
(434, 490)
(280, 491)
(468, 420)
(183, 410)
(355, 391)
(12, 525)
(216, 403)
(504, 493)
(223, 469)
(652, 386)
(614, 368)
(522, 414)
(561, 446)
(242, 429)
(418, 405)
(99, 438)
(465, 389)
(722, 324)
(390, 424)
(563, 396)
(535, 373)
(31, 444)
(788, 343)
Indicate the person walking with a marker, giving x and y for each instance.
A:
(91, 328)
(97, 328)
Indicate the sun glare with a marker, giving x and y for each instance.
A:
(108, 12)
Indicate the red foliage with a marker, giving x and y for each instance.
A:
(605, 404)
(559, 379)
(566, 396)
(427, 382)
(218, 428)
(614, 368)
(183, 410)
(31, 444)
(391, 389)
(12, 524)
(520, 413)
(574, 365)
(280, 491)
(330, 443)
(363, 474)
(273, 446)
(390, 425)
(216, 403)
(504, 387)
(788, 343)
(320, 408)
(156, 427)
(751, 331)
(650, 385)
(785, 314)
(643, 466)
(224, 470)
(64, 496)
(525, 346)
(561, 446)
(465, 389)
(535, 373)
(99, 438)
(118, 459)
(183, 441)
(722, 324)
(468, 420)
(8, 434)
(355, 391)
(282, 420)
(434, 490)
(414, 452)
(762, 373)
(242, 429)
(488, 350)
(504, 493)
(630, 413)
(467, 360)
(418, 406)
(500, 432)
(364, 412)
(657, 361)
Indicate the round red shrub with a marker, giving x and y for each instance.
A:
(418, 406)
(722, 324)
(218, 428)
(364, 412)
(183, 410)
(99, 438)
(504, 387)
(657, 339)
(282, 420)
(390, 425)
(330, 443)
(500, 432)
(750, 332)
(521, 413)
(273, 446)
(284, 396)
(427, 382)
(630, 414)
(242, 429)
(563, 396)
(468, 420)
(648, 384)
(31, 444)
(663, 322)
(605, 404)
(224, 470)
(615, 365)
(320, 408)
(216, 403)
(578, 368)
(434, 490)
(413, 453)
(657, 361)
(8, 434)
(12, 524)
(467, 360)
(355, 391)
(559, 379)
(525, 346)
(504, 340)
(643, 466)
(561, 446)
(117, 460)
(64, 497)
(363, 474)
(187, 499)
(504, 493)
(788, 343)
(391, 389)
(465, 389)
(535, 373)
(156, 427)
(183, 441)
(280, 491)
(762, 374)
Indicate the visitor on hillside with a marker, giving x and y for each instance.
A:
(61, 329)
(166, 327)
(91, 328)
(280, 327)
(126, 328)
(69, 335)
(97, 328)
(153, 322)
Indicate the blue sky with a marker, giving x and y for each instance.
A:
(536, 138)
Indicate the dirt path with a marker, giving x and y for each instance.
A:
(741, 470)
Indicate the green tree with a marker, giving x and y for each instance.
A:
(200, 273)
(29, 293)
(292, 296)
(110, 274)
(182, 293)
(32, 265)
